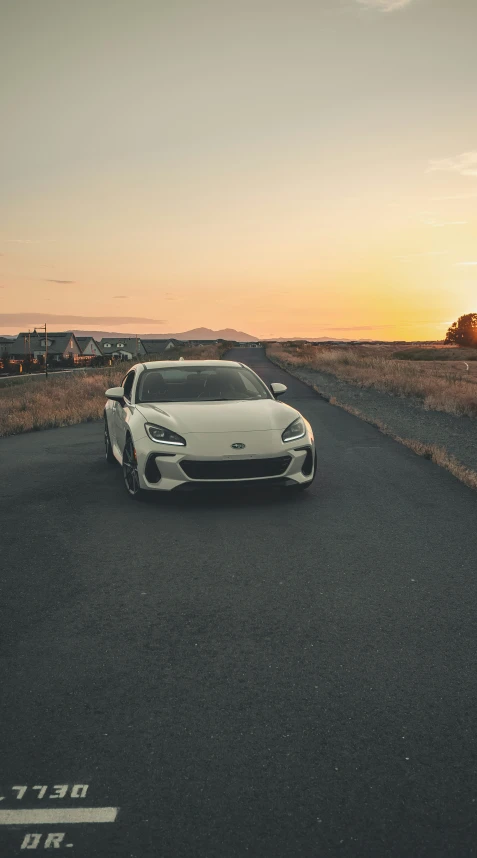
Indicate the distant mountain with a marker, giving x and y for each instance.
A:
(344, 340)
(313, 339)
(207, 334)
(194, 334)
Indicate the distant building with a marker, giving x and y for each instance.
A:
(89, 347)
(200, 342)
(127, 348)
(159, 347)
(61, 346)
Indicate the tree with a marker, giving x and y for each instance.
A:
(464, 331)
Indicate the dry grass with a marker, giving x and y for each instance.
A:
(441, 385)
(63, 400)
(443, 353)
(429, 451)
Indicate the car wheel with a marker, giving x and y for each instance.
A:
(303, 486)
(108, 450)
(130, 470)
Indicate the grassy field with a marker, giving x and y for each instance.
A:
(440, 354)
(444, 384)
(62, 400)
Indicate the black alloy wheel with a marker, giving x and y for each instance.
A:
(108, 450)
(130, 469)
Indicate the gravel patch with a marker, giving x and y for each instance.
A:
(403, 416)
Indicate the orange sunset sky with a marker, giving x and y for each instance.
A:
(286, 169)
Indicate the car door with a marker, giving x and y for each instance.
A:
(121, 411)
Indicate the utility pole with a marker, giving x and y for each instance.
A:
(43, 328)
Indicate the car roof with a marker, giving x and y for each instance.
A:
(162, 364)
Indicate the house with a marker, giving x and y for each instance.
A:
(159, 347)
(126, 348)
(89, 347)
(61, 346)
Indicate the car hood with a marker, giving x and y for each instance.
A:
(230, 416)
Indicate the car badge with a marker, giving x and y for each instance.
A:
(238, 446)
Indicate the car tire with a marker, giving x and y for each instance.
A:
(108, 449)
(130, 470)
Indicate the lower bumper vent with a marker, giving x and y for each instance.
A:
(307, 464)
(151, 471)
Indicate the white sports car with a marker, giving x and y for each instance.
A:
(183, 424)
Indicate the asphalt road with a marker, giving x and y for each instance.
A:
(271, 675)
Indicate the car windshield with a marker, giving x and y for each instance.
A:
(195, 383)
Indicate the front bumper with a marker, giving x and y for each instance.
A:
(210, 460)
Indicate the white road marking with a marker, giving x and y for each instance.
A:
(79, 790)
(57, 816)
(41, 790)
(54, 840)
(31, 841)
(21, 790)
(60, 791)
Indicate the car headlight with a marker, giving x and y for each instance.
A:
(294, 431)
(163, 435)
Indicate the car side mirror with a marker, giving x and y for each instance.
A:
(278, 389)
(115, 393)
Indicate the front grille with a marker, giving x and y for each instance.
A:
(241, 469)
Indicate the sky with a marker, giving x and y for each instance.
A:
(285, 169)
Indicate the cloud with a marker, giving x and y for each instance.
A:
(384, 5)
(426, 253)
(34, 318)
(472, 195)
(464, 165)
(26, 240)
(464, 264)
(358, 328)
(435, 223)
(47, 280)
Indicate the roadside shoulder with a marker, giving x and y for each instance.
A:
(448, 440)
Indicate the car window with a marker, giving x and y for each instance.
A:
(128, 385)
(195, 383)
(247, 380)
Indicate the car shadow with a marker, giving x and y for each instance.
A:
(226, 496)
